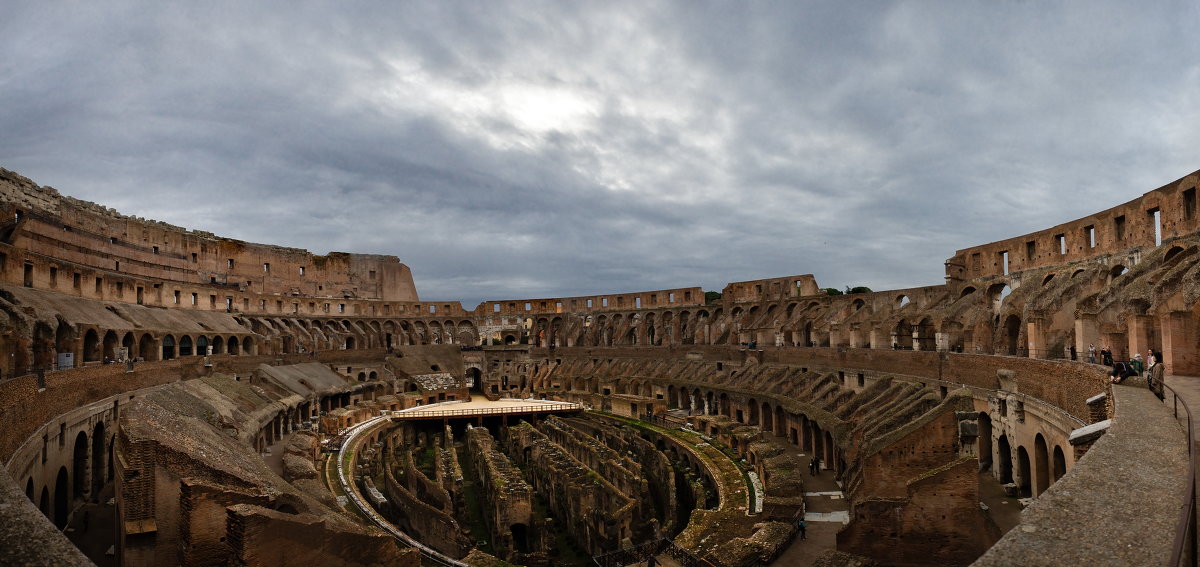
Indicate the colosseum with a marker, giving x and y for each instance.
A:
(173, 397)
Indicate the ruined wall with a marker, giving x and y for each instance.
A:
(260, 537)
(1125, 226)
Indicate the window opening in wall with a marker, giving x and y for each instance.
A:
(1119, 228)
(433, 309)
(495, 308)
(176, 297)
(528, 306)
(589, 304)
(862, 380)
(1089, 235)
(229, 263)
(1030, 250)
(75, 280)
(1189, 203)
(155, 249)
(302, 270)
(195, 298)
(140, 294)
(194, 258)
(1004, 262)
(341, 308)
(371, 274)
(1061, 239)
(558, 308)
(266, 267)
(54, 277)
(118, 268)
(120, 289)
(28, 274)
(603, 302)
(212, 302)
(1156, 217)
(670, 298)
(99, 285)
(228, 303)
(637, 303)
(112, 240)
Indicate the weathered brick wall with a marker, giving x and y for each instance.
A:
(936, 522)
(259, 537)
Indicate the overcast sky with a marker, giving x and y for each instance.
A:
(520, 150)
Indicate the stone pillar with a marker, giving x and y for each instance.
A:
(1087, 332)
(1035, 340)
(1179, 340)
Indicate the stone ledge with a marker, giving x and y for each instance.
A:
(29, 537)
(1118, 506)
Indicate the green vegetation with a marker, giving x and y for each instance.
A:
(858, 289)
(711, 297)
(832, 291)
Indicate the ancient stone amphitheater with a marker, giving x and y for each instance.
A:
(172, 397)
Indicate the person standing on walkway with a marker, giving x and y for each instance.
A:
(1091, 353)
(802, 528)
(1136, 364)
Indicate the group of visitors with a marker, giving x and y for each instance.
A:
(814, 466)
(1152, 367)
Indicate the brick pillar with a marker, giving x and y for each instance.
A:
(1087, 331)
(1178, 340)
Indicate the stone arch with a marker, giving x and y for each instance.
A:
(997, 293)
(1012, 335)
(109, 348)
(185, 346)
(44, 503)
(1024, 472)
(233, 346)
(1004, 460)
(62, 498)
(168, 347)
(1041, 465)
(99, 452)
(902, 335)
(924, 335)
(768, 417)
(753, 417)
(985, 441)
(146, 347)
(1060, 464)
(966, 291)
(43, 345)
(91, 346)
(249, 347)
(900, 301)
(218, 344)
(79, 467)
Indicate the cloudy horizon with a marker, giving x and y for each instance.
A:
(526, 149)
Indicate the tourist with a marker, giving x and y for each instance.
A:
(1156, 375)
(801, 528)
(1120, 371)
(1091, 354)
(1106, 355)
(1136, 365)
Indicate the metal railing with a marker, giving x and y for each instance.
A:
(1183, 552)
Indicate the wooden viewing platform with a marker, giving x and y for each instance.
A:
(480, 407)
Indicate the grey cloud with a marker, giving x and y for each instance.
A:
(721, 143)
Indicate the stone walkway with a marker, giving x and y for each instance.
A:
(1188, 390)
(825, 511)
